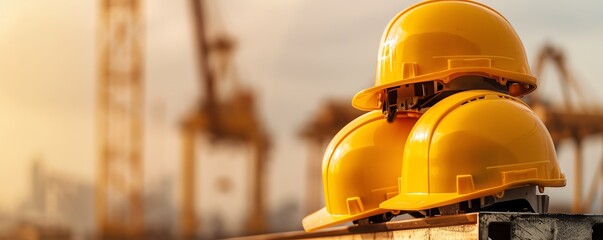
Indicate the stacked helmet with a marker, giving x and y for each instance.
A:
(434, 42)
(360, 169)
(473, 144)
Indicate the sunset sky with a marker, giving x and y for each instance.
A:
(294, 53)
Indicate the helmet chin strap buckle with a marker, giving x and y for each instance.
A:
(390, 108)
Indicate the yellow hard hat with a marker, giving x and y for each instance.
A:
(360, 169)
(440, 40)
(474, 144)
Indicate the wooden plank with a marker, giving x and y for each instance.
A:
(483, 225)
(457, 224)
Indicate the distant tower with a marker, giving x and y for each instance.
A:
(120, 120)
(37, 184)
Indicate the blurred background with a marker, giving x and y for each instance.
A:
(207, 118)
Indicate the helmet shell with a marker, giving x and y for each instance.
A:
(440, 40)
(360, 168)
(474, 144)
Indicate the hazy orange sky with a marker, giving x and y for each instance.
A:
(47, 76)
(295, 53)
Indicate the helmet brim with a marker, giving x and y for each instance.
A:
(368, 99)
(422, 201)
(322, 218)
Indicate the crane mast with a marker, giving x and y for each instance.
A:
(119, 204)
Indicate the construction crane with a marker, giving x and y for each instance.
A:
(330, 118)
(570, 122)
(119, 208)
(232, 118)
